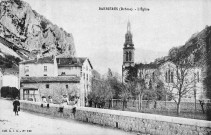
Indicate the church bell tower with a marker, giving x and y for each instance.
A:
(128, 49)
(128, 53)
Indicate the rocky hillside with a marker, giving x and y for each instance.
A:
(195, 49)
(28, 33)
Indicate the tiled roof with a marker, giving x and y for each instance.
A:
(64, 55)
(68, 60)
(71, 61)
(50, 79)
(41, 60)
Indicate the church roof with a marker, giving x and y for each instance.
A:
(128, 38)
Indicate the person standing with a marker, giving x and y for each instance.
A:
(50, 100)
(16, 106)
(65, 100)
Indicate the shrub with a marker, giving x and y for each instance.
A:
(11, 92)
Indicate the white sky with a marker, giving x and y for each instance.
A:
(99, 35)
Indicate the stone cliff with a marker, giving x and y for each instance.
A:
(30, 32)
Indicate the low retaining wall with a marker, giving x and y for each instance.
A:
(53, 109)
(128, 121)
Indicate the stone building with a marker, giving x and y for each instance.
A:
(164, 70)
(55, 76)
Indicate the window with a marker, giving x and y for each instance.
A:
(47, 85)
(81, 72)
(87, 77)
(31, 95)
(198, 76)
(26, 70)
(169, 76)
(58, 61)
(166, 77)
(45, 74)
(84, 76)
(63, 73)
(172, 77)
(45, 68)
(130, 56)
(127, 56)
(66, 86)
(153, 76)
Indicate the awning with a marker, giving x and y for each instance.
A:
(28, 88)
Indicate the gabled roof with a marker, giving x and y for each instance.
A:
(69, 60)
(50, 79)
(41, 60)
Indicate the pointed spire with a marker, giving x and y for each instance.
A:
(128, 26)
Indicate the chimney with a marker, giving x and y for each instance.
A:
(37, 56)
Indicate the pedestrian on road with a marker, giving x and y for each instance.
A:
(16, 106)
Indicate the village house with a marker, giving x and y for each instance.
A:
(55, 77)
(9, 77)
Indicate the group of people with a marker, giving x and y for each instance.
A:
(44, 100)
(65, 101)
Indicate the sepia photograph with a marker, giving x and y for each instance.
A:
(105, 67)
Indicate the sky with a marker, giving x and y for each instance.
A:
(100, 34)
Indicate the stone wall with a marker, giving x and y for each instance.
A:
(52, 110)
(128, 121)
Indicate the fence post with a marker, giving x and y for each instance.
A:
(112, 103)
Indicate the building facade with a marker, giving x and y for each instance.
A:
(55, 77)
(170, 75)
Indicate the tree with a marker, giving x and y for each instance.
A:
(73, 94)
(101, 92)
(125, 94)
(180, 78)
(140, 90)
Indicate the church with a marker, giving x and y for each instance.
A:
(165, 71)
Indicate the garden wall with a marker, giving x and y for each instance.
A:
(128, 121)
(169, 105)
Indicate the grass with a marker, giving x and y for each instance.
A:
(164, 111)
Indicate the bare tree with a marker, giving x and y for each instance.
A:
(180, 81)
